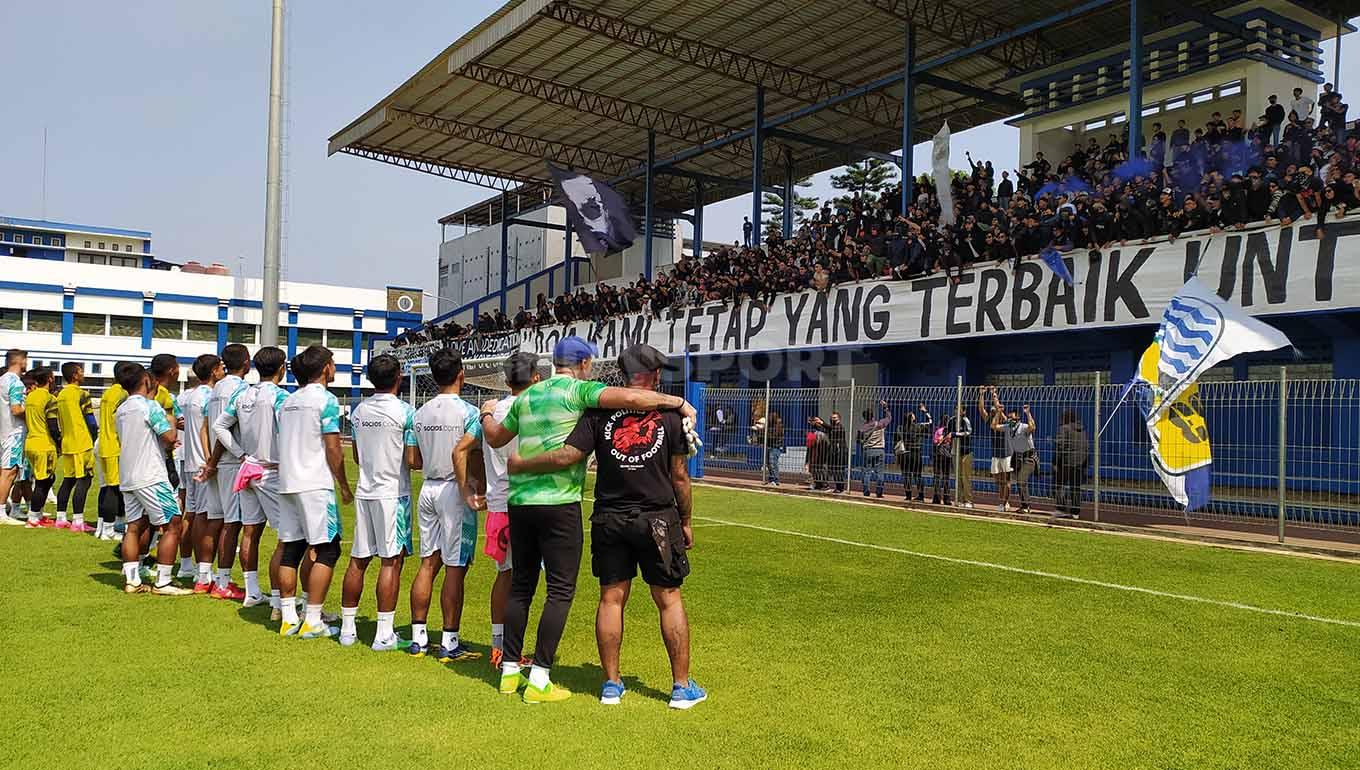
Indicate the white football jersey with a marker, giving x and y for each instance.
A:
(382, 427)
(194, 407)
(223, 397)
(11, 393)
(257, 413)
(141, 460)
(440, 425)
(305, 416)
(497, 461)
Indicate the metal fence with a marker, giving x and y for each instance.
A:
(1284, 452)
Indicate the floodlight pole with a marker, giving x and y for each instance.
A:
(273, 190)
(789, 185)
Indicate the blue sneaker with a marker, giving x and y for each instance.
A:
(415, 650)
(687, 696)
(459, 653)
(612, 693)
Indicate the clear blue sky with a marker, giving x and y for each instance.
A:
(156, 109)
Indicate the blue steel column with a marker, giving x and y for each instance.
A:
(698, 218)
(647, 206)
(757, 164)
(908, 89)
(1135, 118)
(505, 249)
(788, 196)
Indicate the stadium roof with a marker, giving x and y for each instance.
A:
(582, 82)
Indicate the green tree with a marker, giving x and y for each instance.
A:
(866, 177)
(773, 203)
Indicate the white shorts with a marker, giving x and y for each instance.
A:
(195, 493)
(382, 528)
(226, 503)
(312, 516)
(157, 503)
(12, 451)
(1001, 465)
(259, 502)
(447, 525)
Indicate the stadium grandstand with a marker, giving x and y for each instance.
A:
(1151, 151)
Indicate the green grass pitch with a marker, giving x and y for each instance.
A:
(816, 653)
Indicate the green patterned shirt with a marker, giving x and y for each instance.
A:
(543, 416)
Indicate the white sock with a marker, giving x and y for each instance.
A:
(223, 577)
(204, 572)
(385, 623)
(497, 636)
(163, 575)
(418, 635)
(131, 575)
(509, 667)
(61, 515)
(98, 528)
(34, 516)
(538, 676)
(450, 639)
(186, 566)
(314, 615)
(275, 601)
(78, 519)
(253, 583)
(290, 615)
(347, 616)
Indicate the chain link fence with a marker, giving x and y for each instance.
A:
(1284, 453)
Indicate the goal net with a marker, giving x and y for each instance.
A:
(485, 379)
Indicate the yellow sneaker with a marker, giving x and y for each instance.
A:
(510, 683)
(289, 629)
(550, 694)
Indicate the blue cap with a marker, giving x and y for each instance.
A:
(571, 351)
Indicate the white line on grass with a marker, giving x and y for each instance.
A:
(1040, 573)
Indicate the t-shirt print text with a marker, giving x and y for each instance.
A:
(634, 438)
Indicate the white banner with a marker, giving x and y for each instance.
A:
(1265, 271)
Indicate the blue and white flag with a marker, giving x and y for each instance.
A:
(1054, 260)
(595, 211)
(1199, 331)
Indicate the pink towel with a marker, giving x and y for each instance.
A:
(249, 472)
(497, 535)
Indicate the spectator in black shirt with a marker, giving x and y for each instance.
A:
(641, 519)
(1274, 118)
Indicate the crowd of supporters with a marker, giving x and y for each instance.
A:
(1295, 162)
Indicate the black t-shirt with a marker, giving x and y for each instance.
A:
(633, 451)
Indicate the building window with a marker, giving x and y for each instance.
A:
(125, 326)
(167, 329)
(44, 321)
(11, 319)
(91, 259)
(307, 337)
(18, 238)
(127, 247)
(55, 241)
(1081, 377)
(101, 244)
(340, 340)
(37, 240)
(96, 368)
(123, 261)
(88, 323)
(87, 244)
(202, 331)
(242, 333)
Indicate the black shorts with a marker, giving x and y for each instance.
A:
(622, 543)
